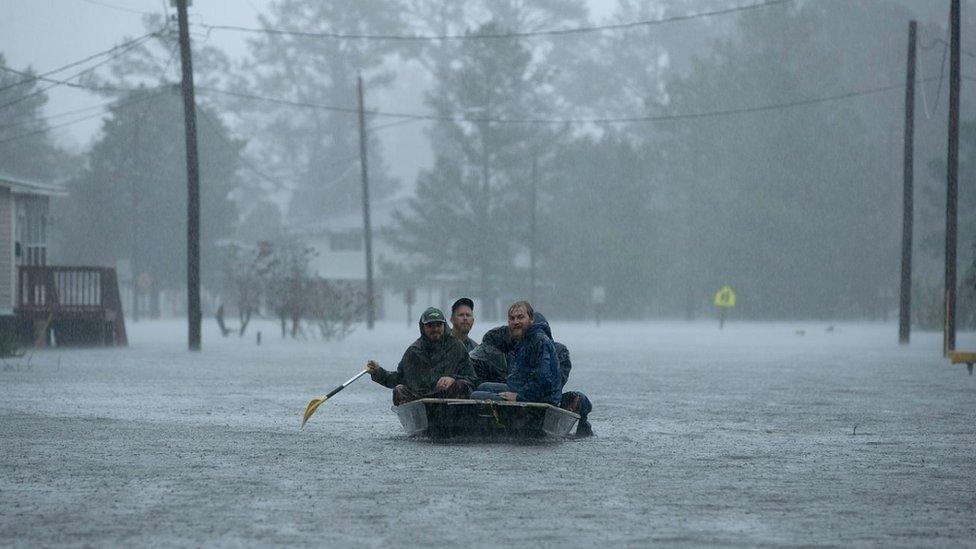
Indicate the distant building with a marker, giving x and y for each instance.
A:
(341, 256)
(23, 233)
(44, 303)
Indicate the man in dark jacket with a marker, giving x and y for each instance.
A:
(436, 365)
(534, 375)
(492, 361)
(462, 320)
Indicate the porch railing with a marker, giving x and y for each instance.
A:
(68, 291)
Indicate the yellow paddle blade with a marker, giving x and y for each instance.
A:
(312, 406)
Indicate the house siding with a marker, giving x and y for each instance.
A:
(7, 273)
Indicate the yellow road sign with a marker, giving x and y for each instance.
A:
(725, 297)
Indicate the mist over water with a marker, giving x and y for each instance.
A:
(751, 435)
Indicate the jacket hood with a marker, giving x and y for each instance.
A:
(498, 338)
(539, 323)
(427, 315)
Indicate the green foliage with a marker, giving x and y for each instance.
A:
(294, 295)
(600, 228)
(130, 200)
(934, 200)
(9, 347)
(27, 151)
(779, 204)
(314, 150)
(470, 215)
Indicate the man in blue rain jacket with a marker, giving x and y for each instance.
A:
(534, 375)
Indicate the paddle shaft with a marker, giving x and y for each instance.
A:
(343, 386)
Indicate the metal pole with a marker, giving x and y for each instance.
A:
(952, 180)
(905, 302)
(192, 184)
(533, 226)
(367, 228)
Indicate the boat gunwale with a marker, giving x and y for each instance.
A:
(468, 401)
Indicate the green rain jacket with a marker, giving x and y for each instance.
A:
(424, 362)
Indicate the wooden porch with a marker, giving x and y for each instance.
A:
(75, 306)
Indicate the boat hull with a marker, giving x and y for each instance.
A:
(448, 418)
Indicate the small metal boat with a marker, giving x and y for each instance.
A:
(447, 418)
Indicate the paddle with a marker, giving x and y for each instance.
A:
(316, 402)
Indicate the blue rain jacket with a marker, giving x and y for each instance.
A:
(535, 374)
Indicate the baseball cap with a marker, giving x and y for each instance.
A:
(432, 315)
(463, 301)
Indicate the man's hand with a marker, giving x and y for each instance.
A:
(507, 395)
(444, 382)
(372, 366)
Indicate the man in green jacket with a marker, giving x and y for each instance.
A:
(436, 365)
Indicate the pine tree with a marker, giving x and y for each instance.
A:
(469, 218)
(26, 149)
(317, 151)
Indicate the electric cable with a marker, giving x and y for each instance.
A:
(495, 36)
(936, 41)
(121, 103)
(240, 156)
(58, 115)
(65, 81)
(119, 8)
(603, 120)
(34, 78)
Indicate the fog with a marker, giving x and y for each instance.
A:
(649, 163)
(704, 197)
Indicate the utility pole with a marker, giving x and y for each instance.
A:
(905, 301)
(367, 227)
(533, 225)
(192, 184)
(952, 181)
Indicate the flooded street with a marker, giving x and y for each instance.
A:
(759, 434)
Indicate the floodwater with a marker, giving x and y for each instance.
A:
(758, 434)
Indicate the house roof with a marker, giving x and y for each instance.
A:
(381, 214)
(23, 186)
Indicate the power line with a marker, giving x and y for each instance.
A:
(938, 90)
(119, 8)
(58, 115)
(500, 35)
(604, 120)
(389, 125)
(143, 94)
(82, 119)
(34, 78)
(65, 81)
(415, 118)
(250, 165)
(74, 84)
(936, 41)
(240, 156)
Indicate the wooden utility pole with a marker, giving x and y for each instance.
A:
(905, 301)
(192, 183)
(367, 227)
(952, 181)
(533, 225)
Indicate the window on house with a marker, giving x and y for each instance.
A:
(346, 241)
(31, 235)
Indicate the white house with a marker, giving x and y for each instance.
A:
(23, 232)
(341, 256)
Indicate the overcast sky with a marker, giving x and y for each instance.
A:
(46, 34)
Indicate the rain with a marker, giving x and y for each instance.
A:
(487, 272)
